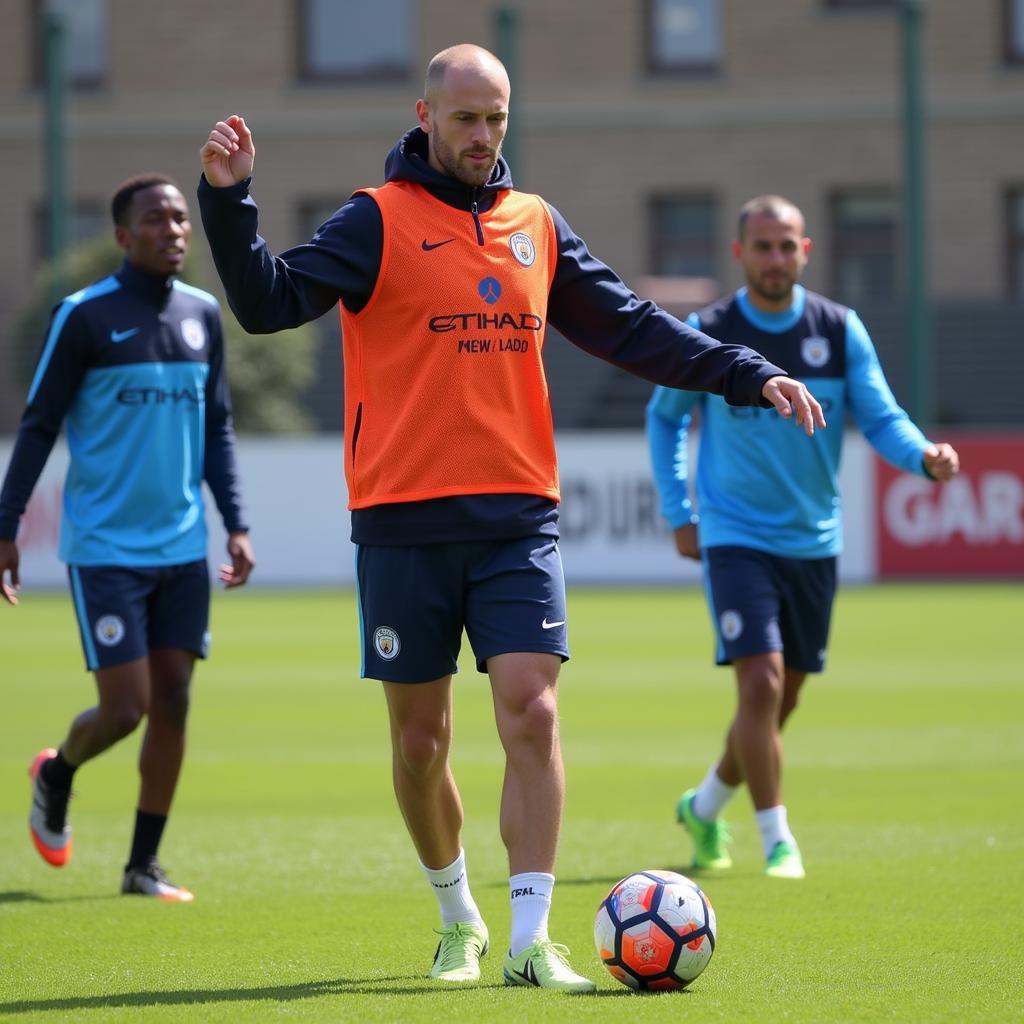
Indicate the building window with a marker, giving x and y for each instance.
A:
(682, 233)
(85, 41)
(683, 36)
(864, 240)
(1013, 18)
(1015, 240)
(87, 219)
(351, 40)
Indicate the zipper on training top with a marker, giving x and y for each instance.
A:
(476, 220)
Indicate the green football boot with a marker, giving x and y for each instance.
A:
(545, 964)
(710, 838)
(784, 861)
(458, 953)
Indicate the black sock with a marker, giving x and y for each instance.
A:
(149, 828)
(57, 772)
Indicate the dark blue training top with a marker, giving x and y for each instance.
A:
(589, 304)
(133, 365)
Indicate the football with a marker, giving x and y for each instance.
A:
(655, 931)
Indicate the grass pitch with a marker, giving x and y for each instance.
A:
(903, 777)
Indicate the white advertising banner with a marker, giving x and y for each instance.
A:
(612, 530)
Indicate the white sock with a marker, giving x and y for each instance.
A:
(531, 903)
(451, 887)
(774, 827)
(712, 795)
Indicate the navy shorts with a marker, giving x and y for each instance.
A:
(761, 603)
(124, 612)
(414, 602)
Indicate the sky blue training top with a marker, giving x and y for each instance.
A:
(761, 482)
(133, 365)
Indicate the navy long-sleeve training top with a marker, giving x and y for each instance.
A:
(588, 303)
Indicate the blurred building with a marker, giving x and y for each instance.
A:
(646, 122)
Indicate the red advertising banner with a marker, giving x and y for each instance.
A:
(971, 526)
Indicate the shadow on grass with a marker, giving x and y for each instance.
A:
(687, 870)
(274, 993)
(20, 896)
(24, 896)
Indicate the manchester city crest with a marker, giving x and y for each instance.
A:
(815, 351)
(386, 643)
(731, 624)
(193, 333)
(110, 630)
(522, 248)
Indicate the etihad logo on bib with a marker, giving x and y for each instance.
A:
(485, 321)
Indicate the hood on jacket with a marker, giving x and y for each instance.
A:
(408, 161)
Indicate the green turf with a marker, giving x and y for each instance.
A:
(903, 781)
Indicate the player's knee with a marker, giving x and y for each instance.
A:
(422, 748)
(124, 718)
(171, 707)
(760, 688)
(534, 722)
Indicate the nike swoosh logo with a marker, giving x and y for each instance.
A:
(118, 336)
(551, 625)
(427, 246)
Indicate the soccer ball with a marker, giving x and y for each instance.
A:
(655, 931)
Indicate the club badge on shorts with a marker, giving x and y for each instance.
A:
(386, 643)
(109, 630)
(731, 624)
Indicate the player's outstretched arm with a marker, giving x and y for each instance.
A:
(228, 153)
(791, 397)
(9, 565)
(941, 461)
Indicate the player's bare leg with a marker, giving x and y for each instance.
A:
(421, 735)
(123, 693)
(420, 716)
(163, 745)
(729, 770)
(768, 694)
(123, 700)
(754, 742)
(524, 688)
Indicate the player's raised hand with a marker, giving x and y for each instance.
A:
(228, 153)
(941, 461)
(790, 398)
